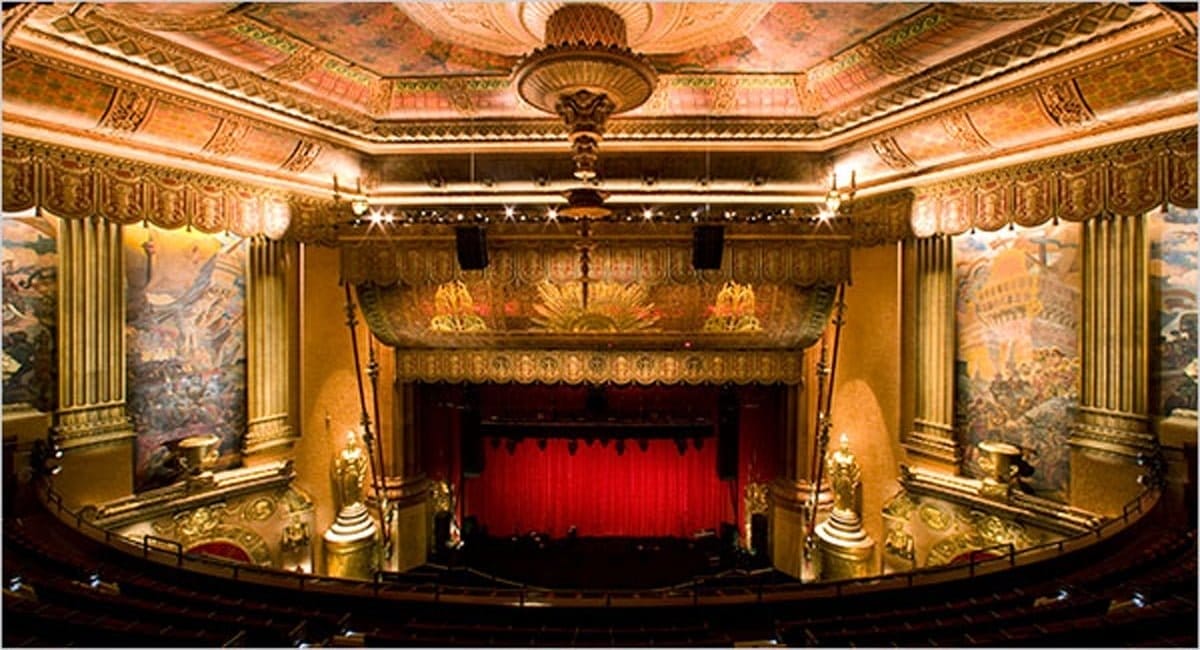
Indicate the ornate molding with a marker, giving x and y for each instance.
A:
(96, 31)
(1127, 178)
(969, 492)
(599, 366)
(302, 156)
(76, 185)
(192, 494)
(935, 445)
(1065, 105)
(221, 15)
(227, 138)
(300, 64)
(1072, 29)
(961, 129)
(891, 154)
(1126, 435)
(127, 111)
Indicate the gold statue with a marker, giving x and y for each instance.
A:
(350, 468)
(846, 551)
(846, 476)
(351, 542)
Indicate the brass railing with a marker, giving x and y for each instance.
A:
(981, 562)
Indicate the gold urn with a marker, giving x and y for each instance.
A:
(198, 454)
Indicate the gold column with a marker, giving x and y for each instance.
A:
(789, 496)
(1112, 427)
(91, 425)
(931, 440)
(268, 349)
(408, 491)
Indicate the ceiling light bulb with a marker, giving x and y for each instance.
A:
(647, 214)
(359, 207)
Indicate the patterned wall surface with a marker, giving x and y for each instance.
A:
(923, 531)
(185, 333)
(30, 248)
(1018, 305)
(1174, 256)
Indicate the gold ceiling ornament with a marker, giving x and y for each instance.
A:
(585, 73)
(613, 307)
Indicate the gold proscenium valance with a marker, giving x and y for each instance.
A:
(649, 317)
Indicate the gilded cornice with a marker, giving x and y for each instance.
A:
(206, 71)
(1127, 178)
(1037, 43)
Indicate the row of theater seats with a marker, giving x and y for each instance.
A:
(73, 591)
(1144, 592)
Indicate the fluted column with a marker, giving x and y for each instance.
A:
(1114, 392)
(931, 437)
(91, 425)
(1113, 425)
(91, 335)
(268, 349)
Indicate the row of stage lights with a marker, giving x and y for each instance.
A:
(375, 216)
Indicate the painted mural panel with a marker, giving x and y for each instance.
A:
(30, 248)
(185, 334)
(1174, 254)
(1018, 308)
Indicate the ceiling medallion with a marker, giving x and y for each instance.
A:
(584, 73)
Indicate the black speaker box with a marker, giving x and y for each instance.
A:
(470, 242)
(708, 246)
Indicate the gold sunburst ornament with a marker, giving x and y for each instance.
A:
(611, 307)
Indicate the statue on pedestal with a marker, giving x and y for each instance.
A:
(846, 551)
(351, 543)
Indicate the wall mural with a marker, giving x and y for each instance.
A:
(1174, 256)
(1018, 304)
(185, 333)
(30, 246)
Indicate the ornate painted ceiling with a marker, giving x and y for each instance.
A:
(418, 98)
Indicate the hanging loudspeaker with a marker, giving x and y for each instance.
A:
(470, 243)
(708, 245)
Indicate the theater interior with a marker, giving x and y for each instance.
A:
(599, 324)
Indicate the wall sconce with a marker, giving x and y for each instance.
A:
(838, 201)
(359, 205)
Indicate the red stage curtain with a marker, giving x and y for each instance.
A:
(656, 492)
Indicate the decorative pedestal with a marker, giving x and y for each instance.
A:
(845, 549)
(351, 544)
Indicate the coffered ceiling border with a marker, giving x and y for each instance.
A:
(1090, 24)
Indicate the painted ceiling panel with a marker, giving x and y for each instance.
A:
(377, 37)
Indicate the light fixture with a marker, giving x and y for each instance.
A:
(359, 204)
(835, 199)
(584, 73)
